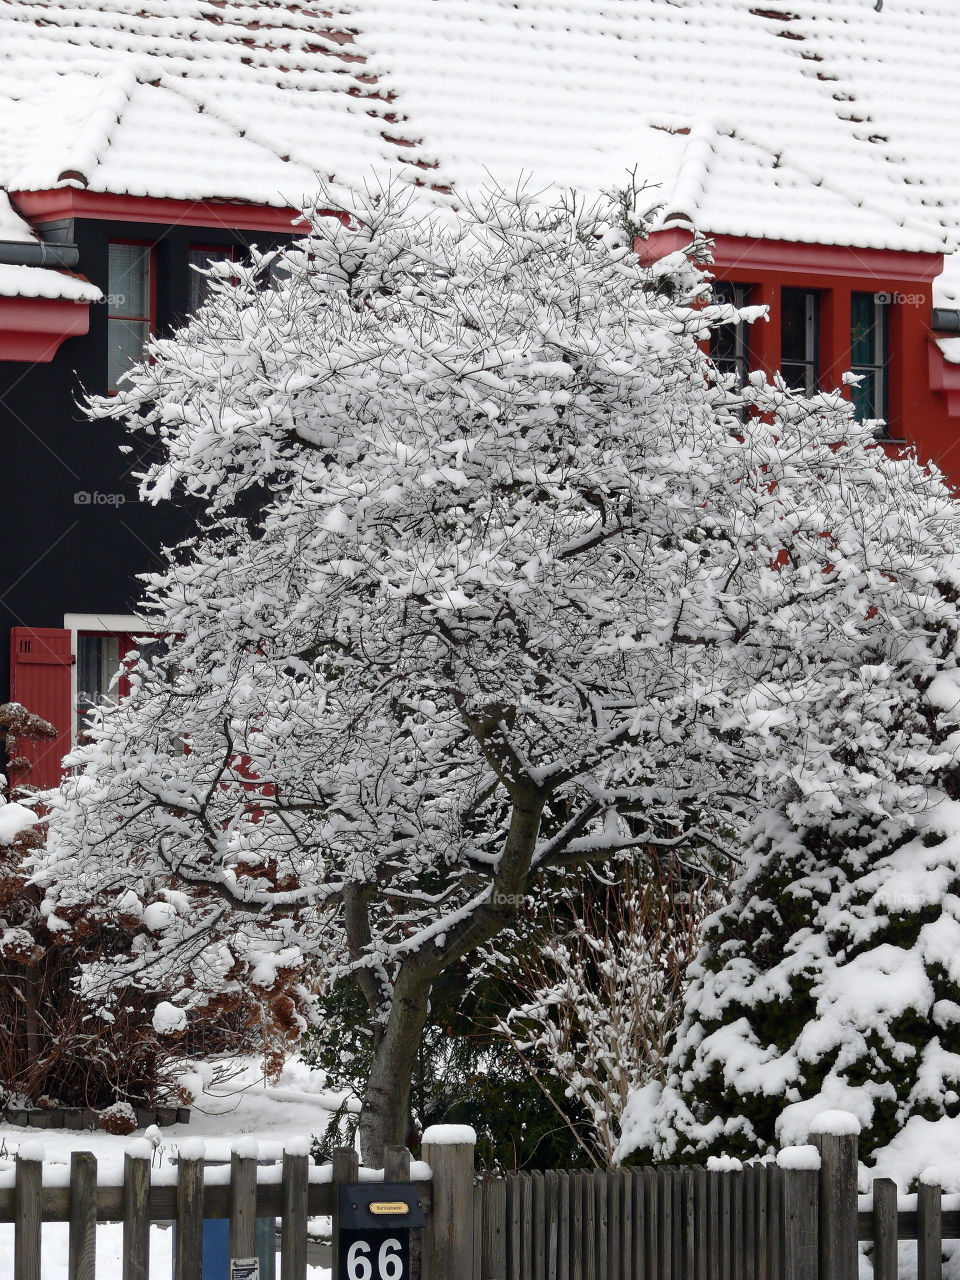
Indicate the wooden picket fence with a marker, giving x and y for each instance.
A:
(761, 1222)
(252, 1192)
(663, 1223)
(796, 1219)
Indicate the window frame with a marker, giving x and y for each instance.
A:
(124, 626)
(742, 354)
(880, 368)
(227, 252)
(813, 333)
(149, 320)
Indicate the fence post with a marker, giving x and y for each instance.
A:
(296, 1186)
(346, 1168)
(885, 1229)
(396, 1164)
(929, 1232)
(82, 1262)
(800, 1170)
(835, 1135)
(189, 1245)
(27, 1212)
(243, 1200)
(448, 1243)
(136, 1210)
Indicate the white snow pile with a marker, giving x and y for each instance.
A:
(168, 1019)
(13, 229)
(14, 819)
(449, 1135)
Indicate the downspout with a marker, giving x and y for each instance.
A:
(29, 253)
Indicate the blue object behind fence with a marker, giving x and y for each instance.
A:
(216, 1248)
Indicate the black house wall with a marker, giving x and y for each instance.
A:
(58, 553)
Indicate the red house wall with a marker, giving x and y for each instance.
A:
(919, 412)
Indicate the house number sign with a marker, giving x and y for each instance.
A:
(373, 1239)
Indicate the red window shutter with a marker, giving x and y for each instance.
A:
(40, 668)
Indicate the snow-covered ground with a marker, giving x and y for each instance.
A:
(296, 1107)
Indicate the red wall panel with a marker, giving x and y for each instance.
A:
(40, 669)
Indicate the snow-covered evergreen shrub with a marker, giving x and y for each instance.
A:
(832, 978)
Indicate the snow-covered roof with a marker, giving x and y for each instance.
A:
(808, 120)
(793, 122)
(13, 229)
(43, 282)
(121, 94)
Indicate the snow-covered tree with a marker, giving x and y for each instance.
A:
(491, 581)
(832, 977)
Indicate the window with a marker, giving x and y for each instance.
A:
(800, 339)
(98, 661)
(101, 645)
(869, 354)
(730, 343)
(202, 257)
(130, 291)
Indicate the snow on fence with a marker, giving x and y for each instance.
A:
(292, 1192)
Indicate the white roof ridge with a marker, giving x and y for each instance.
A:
(119, 85)
(694, 172)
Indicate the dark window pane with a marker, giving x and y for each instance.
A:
(129, 283)
(869, 347)
(200, 284)
(98, 661)
(865, 396)
(793, 338)
(863, 329)
(126, 340)
(730, 343)
(799, 338)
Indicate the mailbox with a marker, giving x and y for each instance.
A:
(375, 1220)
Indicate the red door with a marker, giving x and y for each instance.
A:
(40, 669)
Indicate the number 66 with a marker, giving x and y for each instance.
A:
(389, 1261)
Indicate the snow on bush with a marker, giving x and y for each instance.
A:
(825, 998)
(118, 1119)
(168, 1019)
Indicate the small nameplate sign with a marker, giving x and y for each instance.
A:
(245, 1269)
(389, 1207)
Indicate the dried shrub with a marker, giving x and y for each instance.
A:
(119, 1119)
(56, 1049)
(599, 1001)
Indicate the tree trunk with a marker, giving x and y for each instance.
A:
(385, 1116)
